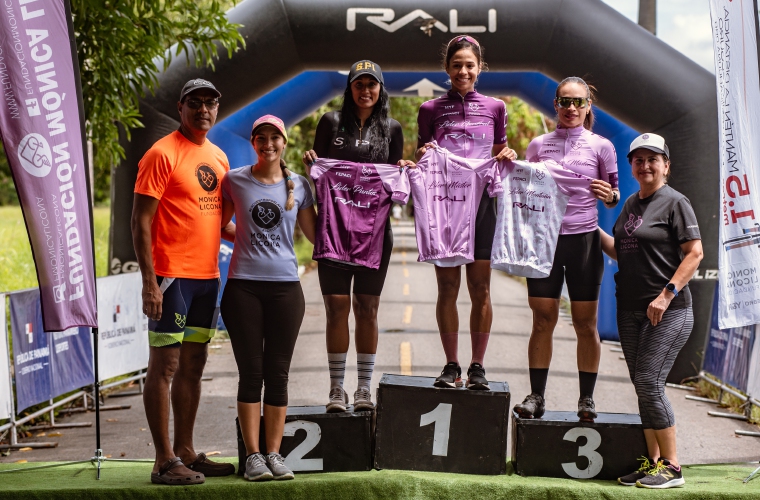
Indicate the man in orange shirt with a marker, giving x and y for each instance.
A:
(176, 223)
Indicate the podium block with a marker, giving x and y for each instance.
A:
(317, 441)
(559, 445)
(422, 427)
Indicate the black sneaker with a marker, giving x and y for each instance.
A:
(451, 376)
(586, 408)
(630, 479)
(661, 476)
(533, 406)
(476, 378)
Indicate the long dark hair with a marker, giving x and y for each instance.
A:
(588, 123)
(377, 126)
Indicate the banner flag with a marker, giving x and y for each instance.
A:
(753, 385)
(123, 344)
(736, 74)
(41, 124)
(47, 364)
(5, 375)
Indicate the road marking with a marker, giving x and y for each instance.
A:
(406, 273)
(405, 358)
(406, 288)
(407, 315)
(403, 258)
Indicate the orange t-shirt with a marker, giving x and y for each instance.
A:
(187, 181)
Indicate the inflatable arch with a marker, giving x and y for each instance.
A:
(295, 47)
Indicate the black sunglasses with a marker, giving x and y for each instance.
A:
(195, 103)
(565, 102)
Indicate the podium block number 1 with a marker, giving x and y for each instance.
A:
(588, 450)
(441, 418)
(295, 460)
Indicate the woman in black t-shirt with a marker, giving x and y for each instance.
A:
(360, 132)
(658, 248)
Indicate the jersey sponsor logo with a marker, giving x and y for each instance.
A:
(269, 242)
(366, 171)
(464, 135)
(540, 175)
(361, 143)
(437, 197)
(466, 123)
(575, 145)
(434, 172)
(338, 142)
(210, 203)
(550, 145)
(266, 214)
(358, 189)
(474, 106)
(180, 319)
(549, 151)
(523, 179)
(207, 177)
(525, 206)
(451, 106)
(580, 163)
(449, 184)
(343, 174)
(449, 113)
(357, 204)
(384, 19)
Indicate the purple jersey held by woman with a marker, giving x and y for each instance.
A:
(584, 153)
(466, 126)
(447, 190)
(353, 202)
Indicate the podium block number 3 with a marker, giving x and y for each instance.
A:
(441, 417)
(588, 450)
(295, 460)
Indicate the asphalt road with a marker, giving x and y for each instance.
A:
(409, 341)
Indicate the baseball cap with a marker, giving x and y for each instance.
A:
(652, 142)
(270, 120)
(198, 83)
(365, 67)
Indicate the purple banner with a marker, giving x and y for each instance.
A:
(41, 129)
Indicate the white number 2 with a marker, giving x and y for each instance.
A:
(441, 417)
(295, 460)
(595, 460)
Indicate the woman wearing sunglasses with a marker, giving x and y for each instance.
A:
(578, 260)
(469, 125)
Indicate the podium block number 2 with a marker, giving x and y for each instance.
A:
(295, 460)
(441, 418)
(588, 450)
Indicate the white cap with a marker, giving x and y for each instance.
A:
(652, 142)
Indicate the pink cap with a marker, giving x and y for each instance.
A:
(270, 120)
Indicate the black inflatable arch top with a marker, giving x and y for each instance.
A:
(641, 80)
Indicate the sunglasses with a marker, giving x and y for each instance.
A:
(195, 103)
(466, 38)
(565, 102)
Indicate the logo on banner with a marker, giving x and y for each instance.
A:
(59, 292)
(266, 214)
(116, 312)
(384, 18)
(29, 333)
(207, 178)
(34, 155)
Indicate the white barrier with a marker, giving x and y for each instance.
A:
(5, 371)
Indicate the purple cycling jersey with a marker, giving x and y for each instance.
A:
(466, 126)
(447, 190)
(353, 201)
(585, 153)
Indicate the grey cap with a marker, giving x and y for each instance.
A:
(198, 83)
(652, 142)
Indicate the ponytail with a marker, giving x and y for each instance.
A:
(289, 184)
(588, 122)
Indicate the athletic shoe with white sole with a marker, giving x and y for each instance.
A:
(661, 476)
(533, 406)
(338, 400)
(363, 400)
(586, 409)
(476, 378)
(277, 466)
(256, 468)
(630, 479)
(450, 377)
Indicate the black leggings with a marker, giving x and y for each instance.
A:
(263, 319)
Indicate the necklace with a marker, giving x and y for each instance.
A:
(360, 130)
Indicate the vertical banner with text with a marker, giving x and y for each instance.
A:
(737, 76)
(41, 128)
(5, 373)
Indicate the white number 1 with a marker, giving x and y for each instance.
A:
(588, 450)
(441, 417)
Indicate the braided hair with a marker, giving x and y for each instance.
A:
(289, 185)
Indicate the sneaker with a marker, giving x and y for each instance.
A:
(277, 466)
(586, 408)
(533, 406)
(338, 400)
(476, 378)
(630, 479)
(256, 468)
(661, 476)
(451, 376)
(363, 400)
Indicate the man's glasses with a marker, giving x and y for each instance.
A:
(466, 38)
(195, 103)
(578, 102)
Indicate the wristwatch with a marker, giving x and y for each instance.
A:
(614, 198)
(672, 289)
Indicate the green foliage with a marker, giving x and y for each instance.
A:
(301, 135)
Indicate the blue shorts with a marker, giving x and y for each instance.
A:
(189, 312)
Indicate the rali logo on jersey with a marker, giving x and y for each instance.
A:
(384, 19)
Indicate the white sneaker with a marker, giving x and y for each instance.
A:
(338, 400)
(363, 400)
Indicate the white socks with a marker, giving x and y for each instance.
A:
(365, 365)
(337, 362)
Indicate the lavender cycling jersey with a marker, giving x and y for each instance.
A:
(447, 190)
(585, 153)
(530, 212)
(353, 202)
(467, 126)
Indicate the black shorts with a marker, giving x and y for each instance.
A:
(485, 227)
(578, 260)
(335, 280)
(189, 312)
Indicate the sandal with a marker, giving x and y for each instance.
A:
(210, 469)
(166, 474)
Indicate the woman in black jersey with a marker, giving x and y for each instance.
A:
(360, 132)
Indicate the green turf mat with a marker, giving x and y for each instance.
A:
(132, 481)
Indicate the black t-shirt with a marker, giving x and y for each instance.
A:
(333, 140)
(648, 237)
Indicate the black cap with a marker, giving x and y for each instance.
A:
(198, 83)
(365, 67)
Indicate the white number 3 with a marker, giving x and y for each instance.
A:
(588, 450)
